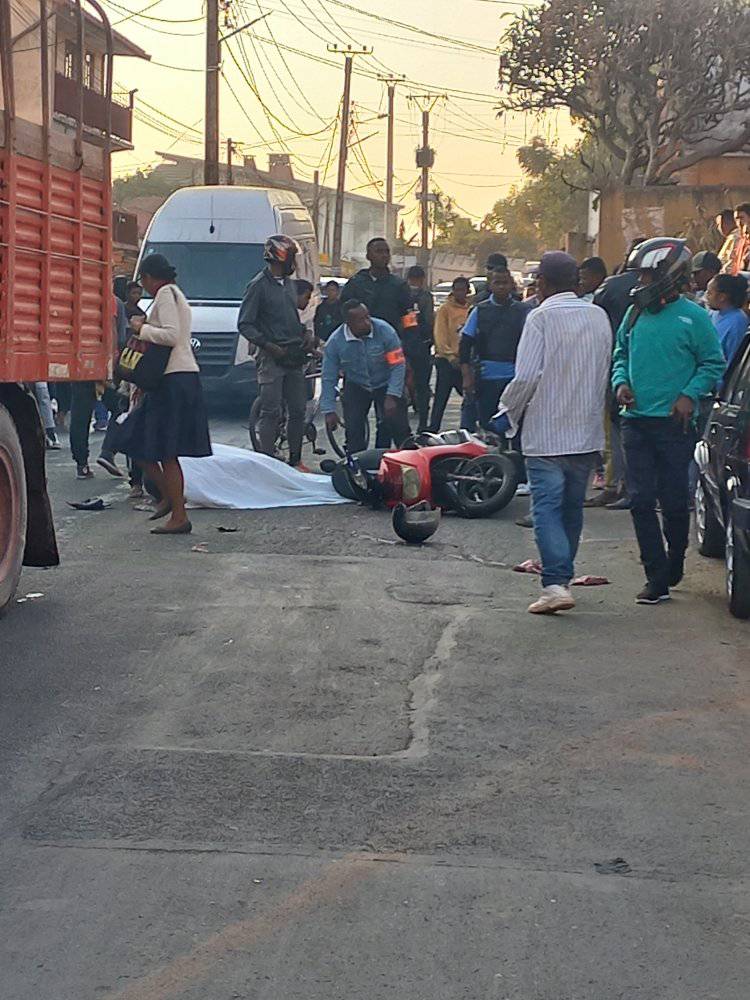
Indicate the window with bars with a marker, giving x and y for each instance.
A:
(69, 61)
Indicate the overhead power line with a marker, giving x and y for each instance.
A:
(253, 87)
(378, 16)
(134, 14)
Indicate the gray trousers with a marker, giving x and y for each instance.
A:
(278, 385)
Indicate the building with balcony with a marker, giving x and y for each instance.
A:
(94, 74)
(65, 64)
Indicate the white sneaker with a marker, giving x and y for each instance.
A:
(552, 599)
(523, 490)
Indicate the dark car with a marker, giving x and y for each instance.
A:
(722, 502)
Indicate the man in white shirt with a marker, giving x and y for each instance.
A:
(559, 390)
(730, 233)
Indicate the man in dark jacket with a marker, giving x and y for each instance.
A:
(417, 341)
(489, 342)
(495, 262)
(328, 315)
(385, 294)
(613, 296)
(269, 319)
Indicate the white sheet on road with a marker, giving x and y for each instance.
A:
(244, 480)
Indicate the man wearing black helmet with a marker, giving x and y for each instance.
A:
(269, 319)
(666, 358)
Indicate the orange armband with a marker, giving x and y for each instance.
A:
(395, 357)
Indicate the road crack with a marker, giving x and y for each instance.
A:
(424, 686)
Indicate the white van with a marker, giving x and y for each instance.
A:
(214, 237)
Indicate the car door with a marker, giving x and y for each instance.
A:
(730, 420)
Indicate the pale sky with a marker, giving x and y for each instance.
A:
(475, 151)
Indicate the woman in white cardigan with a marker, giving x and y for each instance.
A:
(171, 421)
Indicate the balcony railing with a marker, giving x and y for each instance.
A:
(94, 108)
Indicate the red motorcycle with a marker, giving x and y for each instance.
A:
(454, 471)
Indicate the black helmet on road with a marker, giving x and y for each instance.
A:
(417, 523)
(282, 250)
(669, 260)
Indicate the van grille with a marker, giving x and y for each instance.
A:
(216, 352)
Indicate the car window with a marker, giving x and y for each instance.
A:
(738, 383)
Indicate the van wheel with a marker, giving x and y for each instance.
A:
(707, 528)
(738, 571)
(13, 509)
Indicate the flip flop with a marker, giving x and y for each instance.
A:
(95, 503)
(529, 566)
(184, 529)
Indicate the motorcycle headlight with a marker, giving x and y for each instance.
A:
(411, 484)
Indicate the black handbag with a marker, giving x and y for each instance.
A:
(143, 363)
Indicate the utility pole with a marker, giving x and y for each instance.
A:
(213, 58)
(316, 202)
(230, 169)
(390, 222)
(338, 221)
(213, 68)
(425, 162)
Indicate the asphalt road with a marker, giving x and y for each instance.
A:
(311, 764)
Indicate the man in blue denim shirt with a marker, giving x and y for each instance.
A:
(368, 352)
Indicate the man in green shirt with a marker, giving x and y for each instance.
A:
(667, 357)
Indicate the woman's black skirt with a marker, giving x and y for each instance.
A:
(170, 422)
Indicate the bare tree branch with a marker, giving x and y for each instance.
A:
(660, 84)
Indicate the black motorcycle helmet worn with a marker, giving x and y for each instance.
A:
(282, 250)
(668, 259)
(417, 523)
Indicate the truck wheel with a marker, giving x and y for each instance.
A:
(12, 508)
(708, 530)
(738, 571)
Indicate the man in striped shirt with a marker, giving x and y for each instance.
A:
(559, 390)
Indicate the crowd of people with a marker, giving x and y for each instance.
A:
(599, 380)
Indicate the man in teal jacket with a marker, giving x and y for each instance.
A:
(667, 357)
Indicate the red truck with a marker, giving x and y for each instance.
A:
(55, 253)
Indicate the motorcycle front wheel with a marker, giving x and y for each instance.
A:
(489, 486)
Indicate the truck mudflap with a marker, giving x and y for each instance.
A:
(41, 544)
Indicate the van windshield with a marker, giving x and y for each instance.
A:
(212, 270)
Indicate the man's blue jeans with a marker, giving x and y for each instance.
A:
(558, 489)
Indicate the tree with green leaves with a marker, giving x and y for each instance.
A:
(659, 84)
(553, 201)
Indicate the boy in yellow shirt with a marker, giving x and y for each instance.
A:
(449, 320)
